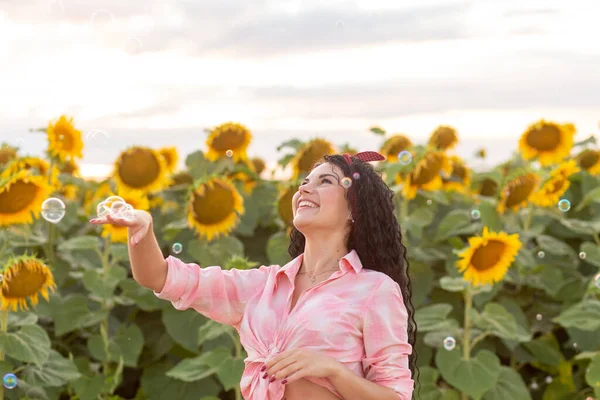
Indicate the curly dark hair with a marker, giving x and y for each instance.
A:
(375, 234)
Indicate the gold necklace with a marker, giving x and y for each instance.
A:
(314, 277)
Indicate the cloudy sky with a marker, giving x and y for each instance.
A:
(159, 72)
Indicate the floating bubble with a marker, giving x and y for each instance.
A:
(449, 343)
(356, 175)
(564, 205)
(534, 385)
(101, 17)
(429, 202)
(229, 153)
(575, 345)
(548, 379)
(597, 280)
(541, 254)
(53, 210)
(404, 157)
(133, 45)
(582, 255)
(346, 182)
(177, 248)
(98, 135)
(10, 381)
(475, 214)
(539, 317)
(340, 25)
(55, 7)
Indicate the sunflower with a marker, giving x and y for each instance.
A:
(69, 191)
(171, 158)
(25, 277)
(309, 154)
(517, 191)
(443, 138)
(547, 141)
(7, 154)
(481, 153)
(589, 160)
(248, 181)
(394, 145)
(182, 178)
(487, 187)
(140, 168)
(38, 166)
(70, 167)
(284, 205)
(259, 165)
(213, 207)
(95, 196)
(426, 174)
(231, 137)
(488, 257)
(64, 141)
(460, 176)
(22, 195)
(558, 183)
(139, 201)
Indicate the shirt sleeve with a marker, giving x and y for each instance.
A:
(385, 338)
(218, 294)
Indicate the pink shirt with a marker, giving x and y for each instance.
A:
(356, 316)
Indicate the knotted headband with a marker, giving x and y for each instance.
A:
(364, 156)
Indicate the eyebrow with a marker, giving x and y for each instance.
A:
(322, 176)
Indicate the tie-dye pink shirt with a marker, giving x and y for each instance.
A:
(356, 316)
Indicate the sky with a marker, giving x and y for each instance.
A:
(160, 72)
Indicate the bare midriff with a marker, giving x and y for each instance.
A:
(304, 389)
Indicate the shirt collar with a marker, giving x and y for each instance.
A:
(350, 260)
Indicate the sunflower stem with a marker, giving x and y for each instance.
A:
(403, 216)
(527, 220)
(238, 355)
(4, 329)
(467, 329)
(106, 306)
(597, 238)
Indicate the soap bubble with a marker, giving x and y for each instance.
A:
(229, 153)
(53, 210)
(56, 8)
(10, 381)
(133, 45)
(339, 24)
(98, 136)
(564, 205)
(548, 379)
(597, 280)
(541, 254)
(101, 17)
(582, 255)
(538, 317)
(475, 214)
(177, 248)
(346, 182)
(356, 175)
(534, 385)
(449, 343)
(429, 202)
(404, 157)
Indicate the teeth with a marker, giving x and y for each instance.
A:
(307, 204)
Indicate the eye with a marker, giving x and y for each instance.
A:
(326, 180)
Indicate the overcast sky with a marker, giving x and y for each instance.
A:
(158, 73)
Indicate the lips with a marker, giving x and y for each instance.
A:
(307, 204)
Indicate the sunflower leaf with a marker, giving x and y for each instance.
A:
(80, 243)
(201, 367)
(489, 216)
(72, 312)
(591, 196)
(230, 372)
(592, 375)
(510, 385)
(433, 317)
(555, 246)
(496, 319)
(57, 371)
(453, 223)
(584, 316)
(277, 249)
(29, 344)
(454, 284)
(157, 385)
(592, 253)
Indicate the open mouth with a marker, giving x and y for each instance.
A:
(307, 204)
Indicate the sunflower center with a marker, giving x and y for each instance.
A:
(396, 144)
(519, 190)
(486, 257)
(214, 206)
(587, 159)
(64, 137)
(545, 138)
(230, 138)
(459, 171)
(489, 187)
(556, 186)
(138, 168)
(427, 170)
(17, 198)
(24, 282)
(7, 155)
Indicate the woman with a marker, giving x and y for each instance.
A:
(336, 321)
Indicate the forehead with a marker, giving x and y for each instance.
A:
(326, 168)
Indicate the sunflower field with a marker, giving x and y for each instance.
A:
(505, 264)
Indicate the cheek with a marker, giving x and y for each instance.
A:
(294, 201)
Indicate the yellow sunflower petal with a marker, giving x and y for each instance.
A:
(25, 278)
(64, 141)
(426, 175)
(138, 200)
(309, 154)
(21, 198)
(517, 192)
(394, 145)
(141, 168)
(171, 157)
(228, 137)
(550, 143)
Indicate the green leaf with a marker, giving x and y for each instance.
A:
(584, 316)
(128, 344)
(183, 326)
(377, 130)
(16, 319)
(555, 246)
(496, 319)
(201, 367)
(592, 375)
(211, 330)
(422, 216)
(143, 297)
(591, 196)
(453, 284)
(72, 312)
(230, 372)
(474, 376)
(295, 144)
(56, 372)
(510, 386)
(422, 277)
(89, 387)
(277, 249)
(581, 227)
(592, 253)
(103, 284)
(433, 317)
(29, 344)
(215, 252)
(80, 243)
(452, 224)
(544, 352)
(156, 385)
(285, 160)
(489, 216)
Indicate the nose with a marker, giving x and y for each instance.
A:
(305, 188)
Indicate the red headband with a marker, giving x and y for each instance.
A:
(364, 156)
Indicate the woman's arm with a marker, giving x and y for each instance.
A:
(353, 387)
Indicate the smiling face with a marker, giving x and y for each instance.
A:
(320, 202)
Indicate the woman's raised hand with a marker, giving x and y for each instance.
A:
(139, 224)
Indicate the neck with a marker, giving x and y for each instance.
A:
(322, 254)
